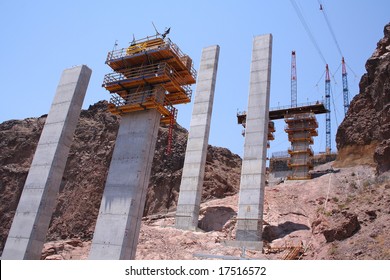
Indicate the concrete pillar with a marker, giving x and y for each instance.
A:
(187, 212)
(251, 196)
(119, 221)
(37, 202)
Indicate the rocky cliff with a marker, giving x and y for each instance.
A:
(87, 166)
(364, 135)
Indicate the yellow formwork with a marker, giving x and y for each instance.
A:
(154, 63)
(301, 128)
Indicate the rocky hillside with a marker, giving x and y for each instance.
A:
(364, 135)
(340, 214)
(87, 166)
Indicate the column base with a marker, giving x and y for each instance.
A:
(251, 245)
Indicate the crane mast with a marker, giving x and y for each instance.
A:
(293, 80)
(345, 87)
(327, 106)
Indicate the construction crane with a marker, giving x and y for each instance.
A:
(293, 80)
(345, 86)
(327, 106)
(344, 70)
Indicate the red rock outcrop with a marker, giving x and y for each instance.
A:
(344, 225)
(363, 136)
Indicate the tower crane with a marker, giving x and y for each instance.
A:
(327, 106)
(345, 86)
(293, 80)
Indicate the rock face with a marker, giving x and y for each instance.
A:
(344, 225)
(86, 170)
(364, 135)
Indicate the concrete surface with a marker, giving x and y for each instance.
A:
(37, 202)
(251, 196)
(119, 220)
(187, 212)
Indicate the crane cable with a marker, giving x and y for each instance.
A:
(330, 28)
(334, 106)
(333, 35)
(307, 29)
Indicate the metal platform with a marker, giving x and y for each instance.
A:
(279, 113)
(152, 73)
(313, 107)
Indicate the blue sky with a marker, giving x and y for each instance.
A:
(41, 38)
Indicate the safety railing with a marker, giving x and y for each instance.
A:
(188, 91)
(136, 46)
(113, 77)
(172, 111)
(182, 57)
(307, 138)
(149, 44)
(153, 70)
(299, 162)
(301, 116)
(301, 149)
(117, 100)
(147, 71)
(300, 127)
(139, 97)
(159, 70)
(298, 105)
(281, 154)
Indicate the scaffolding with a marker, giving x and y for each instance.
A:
(152, 73)
(301, 129)
(241, 119)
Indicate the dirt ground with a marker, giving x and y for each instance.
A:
(350, 203)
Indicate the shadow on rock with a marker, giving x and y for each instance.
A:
(275, 232)
(214, 218)
(319, 173)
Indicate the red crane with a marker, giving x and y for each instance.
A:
(327, 106)
(293, 80)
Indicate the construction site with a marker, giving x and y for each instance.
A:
(152, 73)
(149, 78)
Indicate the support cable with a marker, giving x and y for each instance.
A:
(353, 72)
(307, 29)
(335, 110)
(323, 73)
(330, 27)
(344, 72)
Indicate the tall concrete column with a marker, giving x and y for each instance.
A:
(251, 196)
(37, 202)
(187, 212)
(119, 221)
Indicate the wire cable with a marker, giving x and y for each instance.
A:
(323, 73)
(330, 28)
(307, 29)
(334, 106)
(353, 72)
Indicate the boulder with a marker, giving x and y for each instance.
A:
(341, 226)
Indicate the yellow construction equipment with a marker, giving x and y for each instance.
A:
(152, 73)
